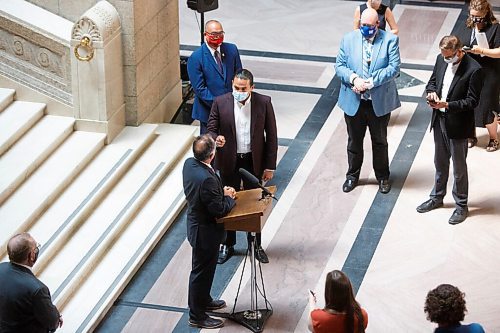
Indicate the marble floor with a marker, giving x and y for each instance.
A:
(392, 254)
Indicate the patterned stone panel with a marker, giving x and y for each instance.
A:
(36, 60)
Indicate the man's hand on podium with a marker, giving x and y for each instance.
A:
(230, 192)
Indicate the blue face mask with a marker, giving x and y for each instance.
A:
(368, 31)
(240, 96)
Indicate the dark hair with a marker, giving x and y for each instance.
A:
(445, 305)
(19, 247)
(481, 6)
(203, 146)
(244, 74)
(339, 297)
(450, 43)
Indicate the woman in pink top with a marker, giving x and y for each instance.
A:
(342, 314)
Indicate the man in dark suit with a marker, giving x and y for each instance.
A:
(25, 303)
(207, 201)
(453, 92)
(368, 64)
(211, 69)
(244, 127)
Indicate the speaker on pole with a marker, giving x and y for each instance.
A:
(202, 6)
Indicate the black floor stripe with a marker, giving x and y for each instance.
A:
(304, 57)
(268, 54)
(284, 142)
(289, 88)
(140, 285)
(366, 242)
(151, 306)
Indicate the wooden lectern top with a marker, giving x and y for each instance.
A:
(250, 213)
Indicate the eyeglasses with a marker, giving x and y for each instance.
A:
(371, 26)
(37, 248)
(215, 33)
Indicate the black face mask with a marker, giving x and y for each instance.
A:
(478, 20)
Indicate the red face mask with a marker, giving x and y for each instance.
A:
(215, 41)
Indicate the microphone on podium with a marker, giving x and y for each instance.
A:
(255, 182)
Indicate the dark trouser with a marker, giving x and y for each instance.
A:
(457, 150)
(204, 261)
(203, 128)
(234, 180)
(356, 129)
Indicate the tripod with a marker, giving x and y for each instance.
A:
(255, 318)
(250, 215)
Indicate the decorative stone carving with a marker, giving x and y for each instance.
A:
(86, 27)
(97, 67)
(99, 23)
(36, 59)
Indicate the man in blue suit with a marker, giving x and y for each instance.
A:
(211, 69)
(367, 64)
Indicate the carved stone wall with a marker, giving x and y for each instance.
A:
(35, 59)
(150, 38)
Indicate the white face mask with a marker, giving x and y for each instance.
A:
(451, 60)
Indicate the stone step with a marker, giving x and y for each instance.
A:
(6, 97)
(47, 183)
(31, 150)
(15, 120)
(71, 266)
(55, 227)
(111, 273)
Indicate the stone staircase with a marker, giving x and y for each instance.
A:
(97, 210)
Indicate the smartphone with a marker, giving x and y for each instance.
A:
(466, 48)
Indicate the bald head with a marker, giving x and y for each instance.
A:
(21, 248)
(213, 25)
(369, 16)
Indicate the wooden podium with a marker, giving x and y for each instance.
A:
(250, 214)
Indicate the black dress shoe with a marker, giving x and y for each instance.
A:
(384, 186)
(216, 304)
(349, 185)
(209, 322)
(260, 255)
(429, 205)
(225, 252)
(458, 216)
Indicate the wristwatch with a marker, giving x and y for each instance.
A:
(352, 80)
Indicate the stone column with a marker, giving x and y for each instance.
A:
(97, 70)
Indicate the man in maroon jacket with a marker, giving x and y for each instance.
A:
(244, 128)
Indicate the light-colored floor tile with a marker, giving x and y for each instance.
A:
(291, 110)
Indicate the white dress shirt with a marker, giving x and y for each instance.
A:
(448, 78)
(242, 119)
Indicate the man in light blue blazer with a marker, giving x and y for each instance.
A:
(367, 64)
(211, 69)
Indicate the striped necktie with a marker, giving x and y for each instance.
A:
(367, 58)
(219, 61)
